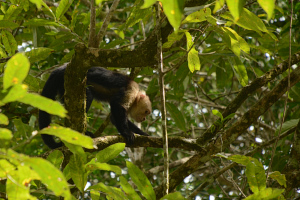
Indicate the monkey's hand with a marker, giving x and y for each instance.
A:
(140, 132)
(129, 137)
(136, 129)
(88, 133)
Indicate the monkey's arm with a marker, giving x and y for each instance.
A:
(120, 120)
(53, 86)
(136, 129)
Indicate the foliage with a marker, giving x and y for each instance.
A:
(214, 54)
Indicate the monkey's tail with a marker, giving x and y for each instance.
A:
(54, 84)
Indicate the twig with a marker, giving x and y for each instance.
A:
(163, 101)
(92, 36)
(26, 141)
(106, 21)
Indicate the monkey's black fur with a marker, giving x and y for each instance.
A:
(112, 86)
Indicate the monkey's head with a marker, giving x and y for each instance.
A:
(141, 107)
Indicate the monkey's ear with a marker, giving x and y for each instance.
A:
(141, 95)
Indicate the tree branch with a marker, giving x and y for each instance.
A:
(148, 141)
(92, 35)
(106, 22)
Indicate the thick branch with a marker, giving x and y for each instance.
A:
(75, 92)
(144, 141)
(143, 56)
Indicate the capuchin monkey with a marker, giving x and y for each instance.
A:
(122, 93)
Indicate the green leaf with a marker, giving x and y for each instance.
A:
(99, 1)
(112, 192)
(2, 51)
(268, 6)
(141, 181)
(256, 176)
(212, 20)
(217, 113)
(5, 134)
(244, 160)
(198, 16)
(173, 10)
(95, 195)
(248, 21)
(13, 93)
(234, 44)
(110, 152)
(176, 115)
(193, 58)
(287, 126)
(38, 54)
(67, 57)
(280, 178)
(172, 196)
(50, 176)
(25, 5)
(189, 40)
(137, 14)
(242, 44)
(38, 3)
(63, 7)
(56, 158)
(235, 7)
(8, 24)
(5, 168)
(45, 104)
(78, 150)
(12, 42)
(33, 82)
(240, 72)
(45, 5)
(172, 38)
(77, 170)
(3, 119)
(280, 9)
(13, 11)
(40, 22)
(93, 165)
(67, 172)
(17, 184)
(148, 3)
(6, 43)
(229, 116)
(16, 70)
(131, 194)
(266, 194)
(219, 4)
(69, 135)
(22, 128)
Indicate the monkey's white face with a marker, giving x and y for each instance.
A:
(140, 109)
